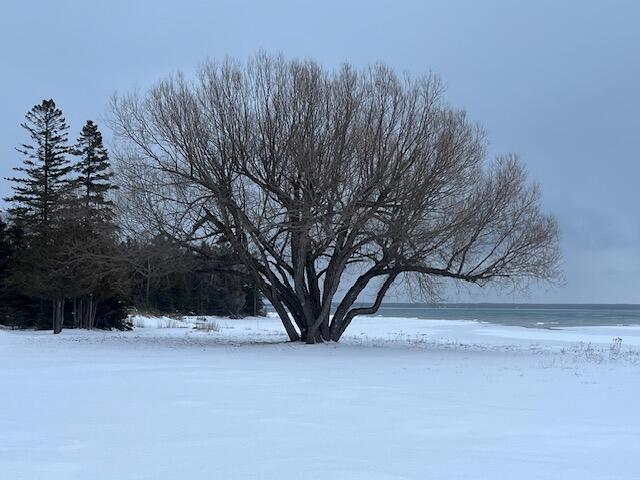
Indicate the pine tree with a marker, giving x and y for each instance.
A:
(93, 212)
(39, 195)
(94, 178)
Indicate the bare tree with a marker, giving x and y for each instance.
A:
(309, 174)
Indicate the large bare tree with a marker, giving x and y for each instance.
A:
(330, 181)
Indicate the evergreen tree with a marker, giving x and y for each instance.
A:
(39, 195)
(92, 215)
(94, 178)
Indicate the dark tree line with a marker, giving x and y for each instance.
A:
(65, 262)
(168, 277)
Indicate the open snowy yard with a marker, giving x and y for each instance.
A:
(399, 399)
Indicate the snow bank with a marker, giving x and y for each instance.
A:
(198, 322)
(142, 321)
(370, 330)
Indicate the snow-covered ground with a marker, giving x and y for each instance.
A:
(397, 399)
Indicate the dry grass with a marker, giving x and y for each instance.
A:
(206, 325)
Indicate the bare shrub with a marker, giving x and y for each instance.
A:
(206, 325)
(615, 348)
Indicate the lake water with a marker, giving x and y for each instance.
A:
(524, 315)
(517, 314)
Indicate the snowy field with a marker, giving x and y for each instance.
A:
(398, 399)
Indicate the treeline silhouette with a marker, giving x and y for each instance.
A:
(64, 260)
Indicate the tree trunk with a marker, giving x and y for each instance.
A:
(81, 312)
(89, 311)
(311, 335)
(88, 307)
(148, 284)
(58, 314)
(76, 320)
(92, 312)
(286, 321)
(54, 316)
(314, 335)
(324, 329)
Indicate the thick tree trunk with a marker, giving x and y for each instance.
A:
(324, 330)
(311, 336)
(345, 314)
(286, 321)
(314, 335)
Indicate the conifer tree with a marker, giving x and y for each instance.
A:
(39, 194)
(94, 178)
(93, 212)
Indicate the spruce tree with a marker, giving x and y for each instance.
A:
(93, 213)
(39, 194)
(94, 178)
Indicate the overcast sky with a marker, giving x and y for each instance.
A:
(557, 82)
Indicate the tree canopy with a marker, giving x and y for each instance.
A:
(310, 173)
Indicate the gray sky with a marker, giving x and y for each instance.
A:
(557, 82)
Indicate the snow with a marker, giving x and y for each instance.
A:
(397, 399)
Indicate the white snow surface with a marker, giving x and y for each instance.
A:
(396, 399)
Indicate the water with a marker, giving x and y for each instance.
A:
(524, 315)
(531, 315)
